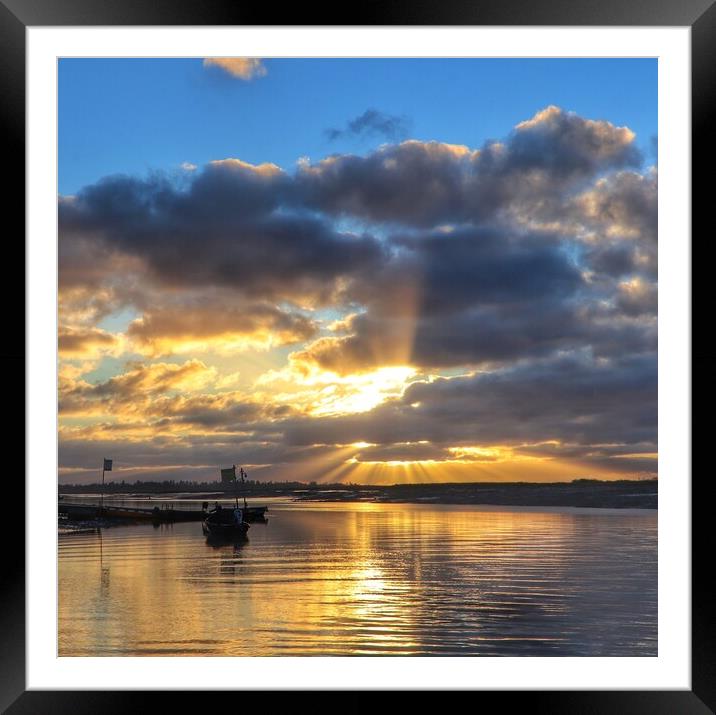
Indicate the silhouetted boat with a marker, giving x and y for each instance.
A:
(255, 514)
(225, 523)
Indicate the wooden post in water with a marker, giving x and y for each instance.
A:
(243, 481)
(106, 465)
(101, 495)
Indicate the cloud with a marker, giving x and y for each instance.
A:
(370, 124)
(85, 342)
(130, 391)
(478, 296)
(415, 183)
(566, 399)
(216, 321)
(564, 142)
(271, 235)
(195, 460)
(245, 68)
(617, 219)
(637, 297)
(599, 414)
(223, 230)
(442, 303)
(428, 183)
(595, 417)
(622, 206)
(402, 452)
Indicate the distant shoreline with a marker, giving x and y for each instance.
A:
(621, 494)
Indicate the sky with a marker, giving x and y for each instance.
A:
(366, 270)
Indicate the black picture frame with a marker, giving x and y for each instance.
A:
(699, 15)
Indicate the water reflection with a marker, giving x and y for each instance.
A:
(366, 579)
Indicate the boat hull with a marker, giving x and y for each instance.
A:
(225, 524)
(225, 531)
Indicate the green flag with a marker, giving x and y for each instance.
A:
(228, 475)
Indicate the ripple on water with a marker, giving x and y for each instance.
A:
(374, 580)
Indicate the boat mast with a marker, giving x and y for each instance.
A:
(243, 481)
(236, 491)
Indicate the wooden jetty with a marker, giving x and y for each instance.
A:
(156, 514)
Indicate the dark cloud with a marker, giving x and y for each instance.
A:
(230, 412)
(415, 183)
(255, 229)
(221, 231)
(370, 124)
(468, 337)
(564, 144)
(637, 298)
(200, 459)
(472, 267)
(481, 296)
(569, 399)
(618, 217)
(623, 205)
(428, 183)
(632, 458)
(613, 259)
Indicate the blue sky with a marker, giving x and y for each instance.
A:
(134, 116)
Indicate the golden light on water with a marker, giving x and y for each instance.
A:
(355, 579)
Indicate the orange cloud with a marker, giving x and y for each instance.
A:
(130, 391)
(213, 325)
(85, 342)
(245, 68)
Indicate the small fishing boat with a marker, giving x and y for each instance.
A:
(225, 523)
(252, 514)
(255, 514)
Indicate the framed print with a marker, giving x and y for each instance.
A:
(433, 351)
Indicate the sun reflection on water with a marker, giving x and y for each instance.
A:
(367, 579)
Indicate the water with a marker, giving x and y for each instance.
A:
(368, 579)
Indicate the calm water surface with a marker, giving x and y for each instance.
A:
(368, 579)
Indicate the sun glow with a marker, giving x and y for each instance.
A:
(360, 393)
(324, 393)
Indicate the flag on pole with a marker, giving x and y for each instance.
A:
(107, 465)
(229, 474)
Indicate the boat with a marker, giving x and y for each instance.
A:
(252, 514)
(225, 523)
(256, 514)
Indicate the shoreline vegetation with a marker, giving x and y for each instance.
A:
(592, 493)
